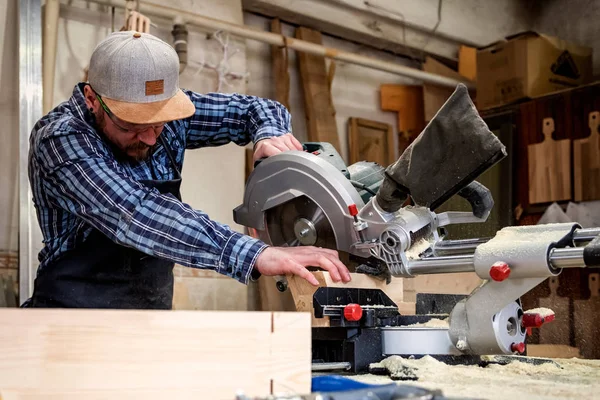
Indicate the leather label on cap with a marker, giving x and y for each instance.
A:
(155, 87)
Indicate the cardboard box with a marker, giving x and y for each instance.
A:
(527, 65)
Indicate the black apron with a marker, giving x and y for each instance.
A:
(102, 274)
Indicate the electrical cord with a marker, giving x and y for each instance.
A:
(362, 186)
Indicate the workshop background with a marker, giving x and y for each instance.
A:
(332, 100)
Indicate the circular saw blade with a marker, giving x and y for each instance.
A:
(282, 220)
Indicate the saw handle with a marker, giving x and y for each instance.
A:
(479, 197)
(591, 253)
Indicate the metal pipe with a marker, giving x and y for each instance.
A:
(50, 38)
(567, 258)
(441, 265)
(30, 110)
(457, 247)
(329, 366)
(292, 43)
(586, 234)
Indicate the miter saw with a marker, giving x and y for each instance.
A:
(384, 221)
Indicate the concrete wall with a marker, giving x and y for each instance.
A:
(573, 20)
(397, 24)
(355, 89)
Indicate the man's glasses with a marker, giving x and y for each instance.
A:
(132, 128)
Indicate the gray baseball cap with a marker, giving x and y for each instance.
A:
(137, 76)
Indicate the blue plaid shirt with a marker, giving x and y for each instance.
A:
(78, 185)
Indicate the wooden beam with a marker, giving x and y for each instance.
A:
(279, 64)
(318, 105)
(302, 292)
(137, 354)
(467, 62)
(364, 27)
(407, 101)
(435, 96)
(371, 141)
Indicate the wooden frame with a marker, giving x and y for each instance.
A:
(361, 140)
(151, 354)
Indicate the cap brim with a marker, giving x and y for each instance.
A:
(177, 107)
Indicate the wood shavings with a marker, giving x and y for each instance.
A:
(573, 379)
(432, 323)
(542, 311)
(417, 248)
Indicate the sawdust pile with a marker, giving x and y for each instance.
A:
(417, 248)
(543, 312)
(432, 323)
(573, 379)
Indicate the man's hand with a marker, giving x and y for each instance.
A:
(294, 260)
(275, 145)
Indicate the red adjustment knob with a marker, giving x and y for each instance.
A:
(532, 320)
(500, 271)
(518, 347)
(535, 320)
(353, 312)
(353, 210)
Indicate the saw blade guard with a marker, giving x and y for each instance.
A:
(293, 175)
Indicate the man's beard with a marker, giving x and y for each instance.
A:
(139, 151)
(133, 151)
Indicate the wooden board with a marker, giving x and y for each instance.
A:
(586, 162)
(136, 354)
(302, 292)
(249, 164)
(549, 167)
(407, 101)
(552, 351)
(370, 141)
(318, 105)
(467, 62)
(587, 320)
(458, 283)
(279, 65)
(557, 331)
(435, 96)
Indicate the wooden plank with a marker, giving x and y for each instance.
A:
(271, 299)
(467, 62)
(249, 164)
(552, 351)
(549, 167)
(531, 114)
(458, 283)
(407, 101)
(318, 104)
(129, 353)
(586, 162)
(370, 141)
(279, 65)
(302, 291)
(435, 96)
(586, 316)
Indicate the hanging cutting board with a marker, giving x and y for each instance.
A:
(557, 331)
(549, 167)
(587, 320)
(586, 162)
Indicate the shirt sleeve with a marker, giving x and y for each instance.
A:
(80, 178)
(223, 118)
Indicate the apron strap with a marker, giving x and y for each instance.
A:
(170, 155)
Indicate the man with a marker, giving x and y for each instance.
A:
(104, 168)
